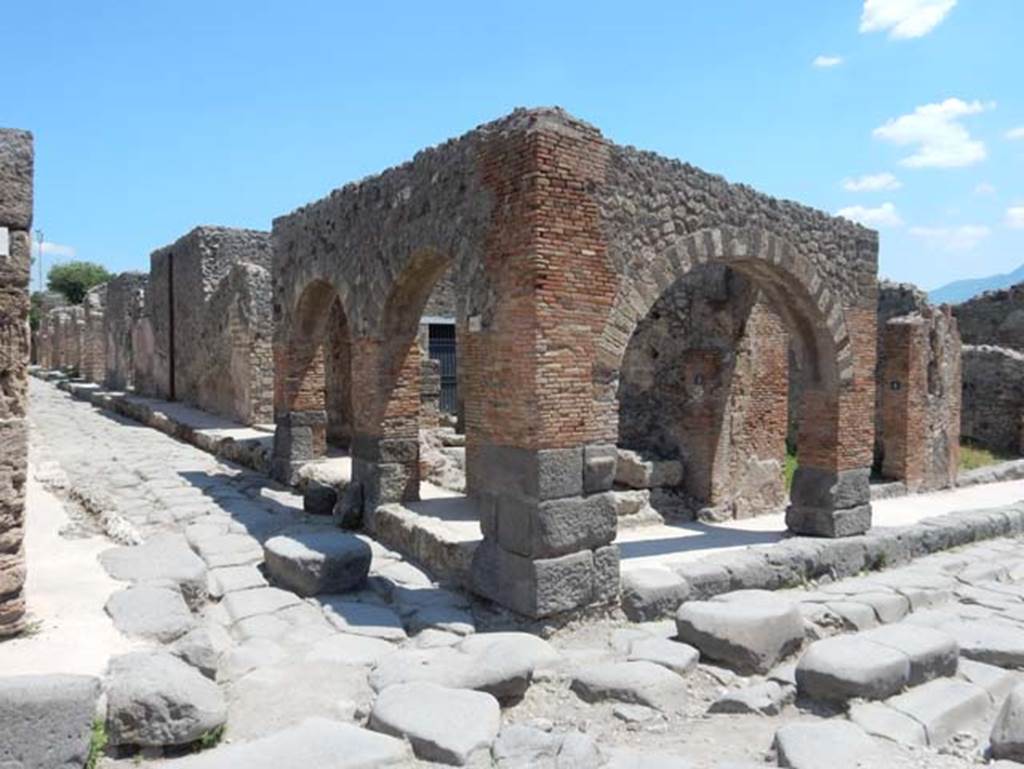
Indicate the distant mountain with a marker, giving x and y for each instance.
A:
(961, 290)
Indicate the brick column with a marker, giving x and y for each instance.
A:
(16, 160)
(300, 432)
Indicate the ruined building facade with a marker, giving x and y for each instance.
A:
(16, 161)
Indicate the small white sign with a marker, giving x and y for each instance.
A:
(5, 242)
(475, 324)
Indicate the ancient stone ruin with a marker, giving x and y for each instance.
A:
(16, 158)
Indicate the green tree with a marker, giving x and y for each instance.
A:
(74, 279)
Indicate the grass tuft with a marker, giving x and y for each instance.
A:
(97, 743)
(974, 455)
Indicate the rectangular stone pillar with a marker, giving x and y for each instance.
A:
(16, 161)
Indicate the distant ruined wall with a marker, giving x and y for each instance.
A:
(94, 343)
(209, 309)
(16, 161)
(125, 297)
(705, 379)
(993, 397)
(993, 318)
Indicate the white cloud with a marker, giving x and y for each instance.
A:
(904, 19)
(825, 62)
(942, 142)
(883, 216)
(984, 189)
(962, 238)
(872, 183)
(56, 250)
(1015, 133)
(1015, 217)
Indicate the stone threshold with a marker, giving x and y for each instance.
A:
(250, 447)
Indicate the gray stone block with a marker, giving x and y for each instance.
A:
(46, 720)
(310, 561)
(319, 498)
(577, 523)
(598, 468)
(822, 522)
(1007, 737)
(831, 490)
(932, 653)
(606, 574)
(652, 593)
(637, 682)
(943, 707)
(154, 611)
(16, 162)
(847, 667)
(559, 473)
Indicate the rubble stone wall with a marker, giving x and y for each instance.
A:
(94, 341)
(16, 162)
(993, 318)
(124, 310)
(208, 304)
(993, 398)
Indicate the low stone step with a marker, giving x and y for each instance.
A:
(932, 653)
(847, 667)
(943, 707)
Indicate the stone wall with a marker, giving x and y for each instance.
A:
(920, 399)
(16, 160)
(704, 380)
(124, 311)
(208, 304)
(993, 318)
(93, 366)
(993, 397)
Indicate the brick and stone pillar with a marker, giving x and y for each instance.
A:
(300, 433)
(16, 159)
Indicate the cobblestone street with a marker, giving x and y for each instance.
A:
(917, 663)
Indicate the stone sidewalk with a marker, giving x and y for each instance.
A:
(403, 672)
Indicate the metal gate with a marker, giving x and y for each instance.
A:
(441, 347)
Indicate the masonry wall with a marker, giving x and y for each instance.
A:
(208, 304)
(125, 304)
(704, 380)
(16, 161)
(94, 341)
(993, 398)
(993, 318)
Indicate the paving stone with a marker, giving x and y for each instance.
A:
(162, 557)
(630, 758)
(879, 719)
(766, 698)
(349, 649)
(641, 683)
(262, 600)
(230, 550)
(315, 742)
(750, 631)
(197, 649)
(311, 561)
(678, 657)
(501, 664)
(856, 616)
(46, 720)
(363, 618)
(1007, 738)
(154, 699)
(521, 746)
(229, 579)
(988, 642)
(996, 681)
(651, 593)
(888, 606)
(448, 618)
(835, 744)
(932, 653)
(943, 706)
(248, 655)
(847, 667)
(442, 724)
(151, 611)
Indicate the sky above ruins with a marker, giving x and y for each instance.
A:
(151, 118)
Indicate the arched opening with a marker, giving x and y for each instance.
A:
(703, 402)
(313, 382)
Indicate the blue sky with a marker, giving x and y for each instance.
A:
(153, 117)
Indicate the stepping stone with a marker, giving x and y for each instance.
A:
(316, 743)
(748, 630)
(442, 724)
(163, 557)
(944, 707)
(1008, 731)
(879, 719)
(678, 657)
(932, 653)
(847, 667)
(651, 593)
(154, 700)
(639, 683)
(46, 720)
(197, 649)
(501, 664)
(151, 611)
(229, 579)
(348, 649)
(835, 744)
(262, 600)
(766, 698)
(989, 642)
(317, 560)
(363, 618)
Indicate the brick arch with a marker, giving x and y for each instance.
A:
(313, 332)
